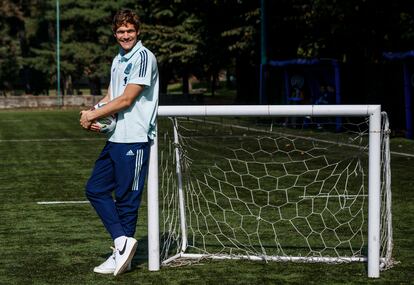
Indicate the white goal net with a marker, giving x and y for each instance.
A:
(271, 189)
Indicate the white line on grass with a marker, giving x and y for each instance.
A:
(402, 153)
(210, 122)
(296, 136)
(53, 140)
(61, 202)
(334, 196)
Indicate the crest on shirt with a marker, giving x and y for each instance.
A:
(128, 68)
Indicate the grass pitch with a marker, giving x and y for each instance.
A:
(46, 156)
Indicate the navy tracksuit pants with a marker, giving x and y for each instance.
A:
(121, 168)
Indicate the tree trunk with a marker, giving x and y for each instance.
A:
(95, 86)
(213, 84)
(185, 83)
(164, 79)
(247, 78)
(68, 85)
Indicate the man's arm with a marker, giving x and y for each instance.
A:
(120, 103)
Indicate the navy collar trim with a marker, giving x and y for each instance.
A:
(125, 57)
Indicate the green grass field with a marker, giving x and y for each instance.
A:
(46, 156)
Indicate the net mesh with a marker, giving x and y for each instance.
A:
(269, 189)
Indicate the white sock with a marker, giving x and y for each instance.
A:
(119, 242)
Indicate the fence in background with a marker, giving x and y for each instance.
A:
(30, 101)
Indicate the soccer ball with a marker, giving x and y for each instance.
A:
(107, 124)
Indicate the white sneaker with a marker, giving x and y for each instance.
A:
(124, 255)
(108, 267)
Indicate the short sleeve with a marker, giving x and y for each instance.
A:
(141, 71)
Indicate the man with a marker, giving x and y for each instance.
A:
(122, 165)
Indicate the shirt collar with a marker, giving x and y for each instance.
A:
(124, 57)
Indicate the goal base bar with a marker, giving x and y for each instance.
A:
(299, 259)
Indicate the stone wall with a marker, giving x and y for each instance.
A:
(30, 101)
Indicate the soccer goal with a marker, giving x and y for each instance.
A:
(270, 183)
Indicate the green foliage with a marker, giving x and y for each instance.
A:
(341, 29)
(10, 62)
(10, 57)
(87, 45)
(174, 45)
(199, 37)
(172, 32)
(243, 36)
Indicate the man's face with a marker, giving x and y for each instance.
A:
(126, 36)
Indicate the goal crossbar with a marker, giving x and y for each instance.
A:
(269, 110)
(374, 181)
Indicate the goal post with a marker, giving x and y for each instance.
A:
(372, 112)
(374, 200)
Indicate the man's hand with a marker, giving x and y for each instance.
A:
(95, 128)
(88, 117)
(84, 120)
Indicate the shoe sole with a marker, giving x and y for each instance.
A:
(124, 267)
(111, 271)
(103, 271)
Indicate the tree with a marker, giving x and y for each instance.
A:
(345, 30)
(11, 24)
(171, 31)
(87, 44)
(194, 37)
(242, 41)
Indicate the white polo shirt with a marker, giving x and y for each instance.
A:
(138, 122)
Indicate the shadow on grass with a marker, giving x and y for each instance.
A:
(141, 255)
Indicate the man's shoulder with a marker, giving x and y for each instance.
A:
(147, 49)
(145, 52)
(115, 60)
